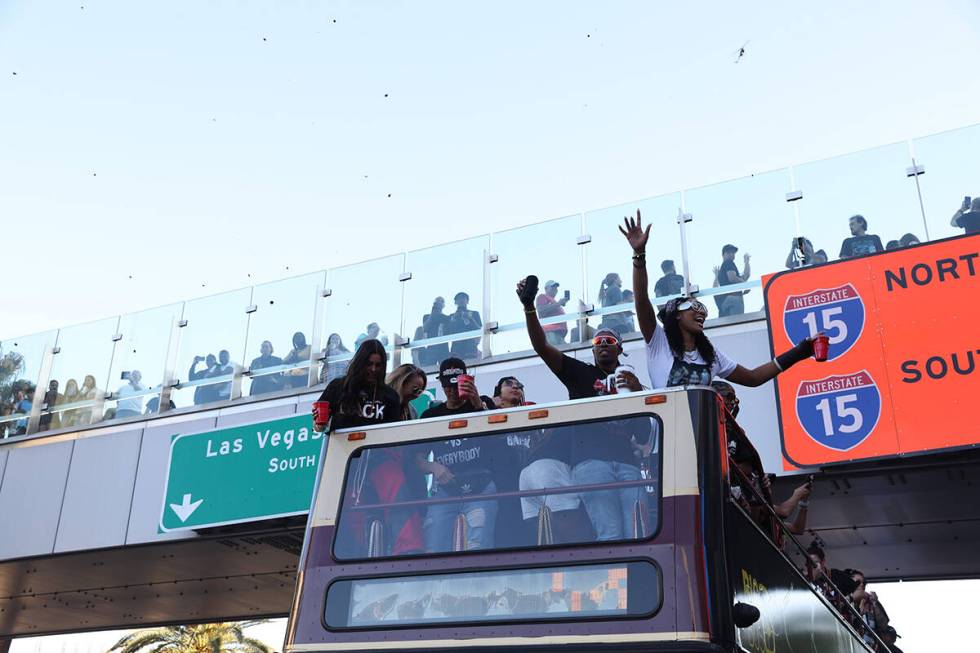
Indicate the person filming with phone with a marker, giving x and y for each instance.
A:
(547, 306)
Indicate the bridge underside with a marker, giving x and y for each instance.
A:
(910, 519)
(917, 518)
(216, 577)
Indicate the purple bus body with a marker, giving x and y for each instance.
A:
(676, 549)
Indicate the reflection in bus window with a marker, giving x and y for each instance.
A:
(584, 482)
(625, 589)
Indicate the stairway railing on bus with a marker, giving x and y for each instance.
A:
(849, 613)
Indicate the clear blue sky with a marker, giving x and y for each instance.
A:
(151, 153)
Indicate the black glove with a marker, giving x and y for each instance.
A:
(530, 291)
(790, 358)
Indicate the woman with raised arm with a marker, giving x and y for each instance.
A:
(680, 353)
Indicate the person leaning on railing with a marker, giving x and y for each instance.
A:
(680, 353)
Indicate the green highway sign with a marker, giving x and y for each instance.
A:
(245, 473)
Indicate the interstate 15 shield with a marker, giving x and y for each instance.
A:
(839, 412)
(837, 312)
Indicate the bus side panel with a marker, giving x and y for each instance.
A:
(671, 621)
(794, 617)
(691, 604)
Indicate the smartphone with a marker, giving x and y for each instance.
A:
(568, 295)
(124, 376)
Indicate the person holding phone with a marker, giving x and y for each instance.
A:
(967, 217)
(547, 306)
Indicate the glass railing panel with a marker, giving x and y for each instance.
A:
(871, 184)
(444, 300)
(610, 266)
(79, 374)
(280, 334)
(365, 302)
(952, 174)
(741, 229)
(139, 361)
(549, 251)
(20, 366)
(212, 339)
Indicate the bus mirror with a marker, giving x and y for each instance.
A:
(745, 614)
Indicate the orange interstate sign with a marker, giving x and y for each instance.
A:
(903, 371)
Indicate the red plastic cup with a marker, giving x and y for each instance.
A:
(321, 413)
(462, 378)
(821, 347)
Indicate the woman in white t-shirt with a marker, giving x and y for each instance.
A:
(680, 353)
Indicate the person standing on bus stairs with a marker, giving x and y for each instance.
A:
(888, 636)
(460, 467)
(867, 603)
(680, 353)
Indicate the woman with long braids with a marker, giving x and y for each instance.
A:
(680, 353)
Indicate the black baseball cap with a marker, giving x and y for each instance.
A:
(450, 369)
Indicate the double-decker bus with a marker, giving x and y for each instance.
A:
(589, 525)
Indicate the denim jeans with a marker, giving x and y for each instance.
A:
(441, 518)
(611, 511)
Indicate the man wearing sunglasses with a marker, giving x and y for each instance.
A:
(680, 353)
(597, 453)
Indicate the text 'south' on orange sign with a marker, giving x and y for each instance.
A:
(904, 361)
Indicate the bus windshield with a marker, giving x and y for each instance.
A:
(574, 483)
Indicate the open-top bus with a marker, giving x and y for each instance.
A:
(624, 538)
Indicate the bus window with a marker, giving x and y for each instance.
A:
(616, 589)
(574, 483)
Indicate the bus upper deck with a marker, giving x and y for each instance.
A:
(591, 524)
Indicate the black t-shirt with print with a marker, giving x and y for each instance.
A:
(669, 284)
(726, 267)
(371, 409)
(580, 378)
(860, 245)
(471, 460)
(596, 440)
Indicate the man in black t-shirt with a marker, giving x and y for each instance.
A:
(461, 467)
(860, 242)
(599, 453)
(669, 284)
(727, 275)
(968, 216)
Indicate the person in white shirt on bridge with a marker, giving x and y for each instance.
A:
(130, 405)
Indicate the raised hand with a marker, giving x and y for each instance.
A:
(634, 232)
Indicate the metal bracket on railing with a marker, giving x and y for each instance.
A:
(492, 258)
(116, 337)
(794, 195)
(684, 218)
(109, 395)
(491, 327)
(915, 171)
(251, 309)
(246, 371)
(693, 288)
(56, 350)
(587, 309)
(182, 323)
(326, 292)
(401, 341)
(174, 384)
(584, 239)
(404, 276)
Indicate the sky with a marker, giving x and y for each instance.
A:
(155, 153)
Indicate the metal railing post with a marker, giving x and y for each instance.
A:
(682, 220)
(43, 377)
